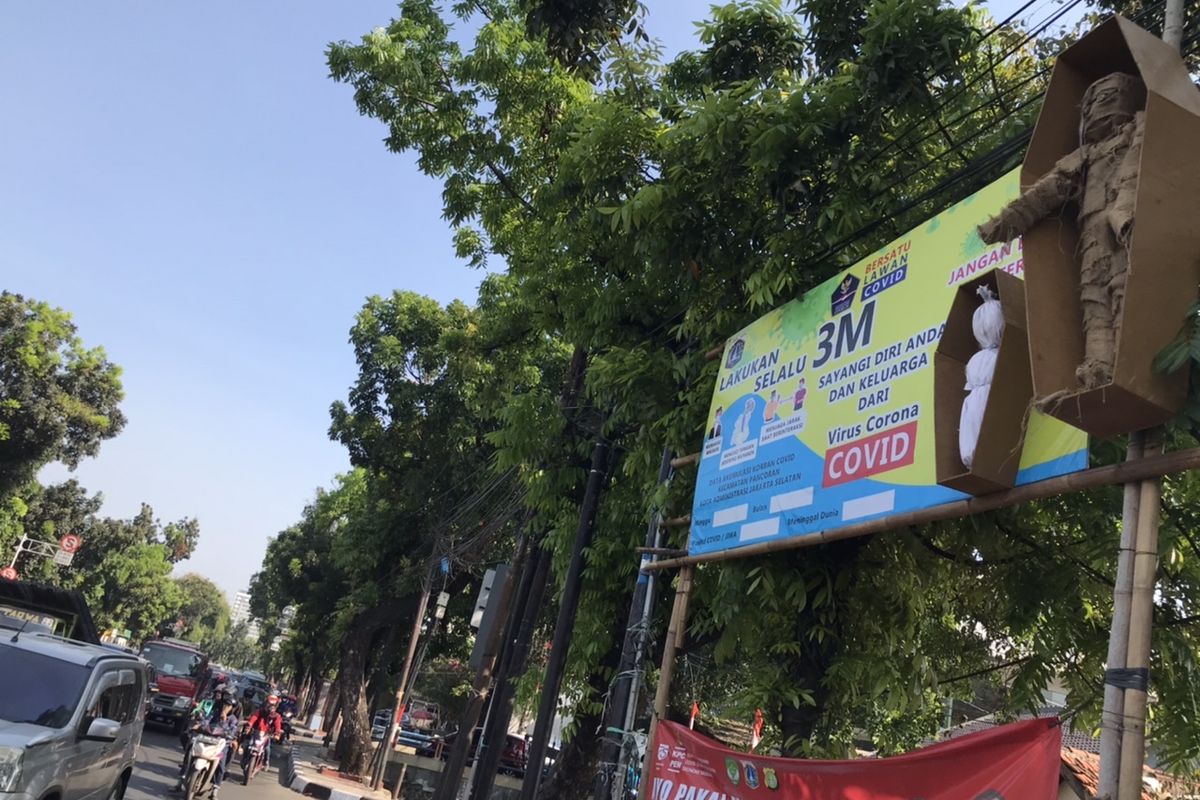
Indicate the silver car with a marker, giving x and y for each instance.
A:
(70, 717)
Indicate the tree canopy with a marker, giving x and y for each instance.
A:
(642, 210)
(58, 399)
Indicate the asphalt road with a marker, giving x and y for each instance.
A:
(158, 767)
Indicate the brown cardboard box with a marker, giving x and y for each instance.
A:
(1164, 253)
(998, 453)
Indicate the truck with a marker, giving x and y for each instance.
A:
(180, 674)
(49, 609)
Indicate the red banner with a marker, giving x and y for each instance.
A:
(1010, 762)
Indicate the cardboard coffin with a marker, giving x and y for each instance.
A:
(998, 452)
(1164, 252)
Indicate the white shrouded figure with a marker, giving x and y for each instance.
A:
(988, 326)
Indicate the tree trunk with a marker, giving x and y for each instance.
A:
(354, 744)
(383, 649)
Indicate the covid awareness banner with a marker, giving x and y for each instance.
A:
(823, 410)
(1011, 762)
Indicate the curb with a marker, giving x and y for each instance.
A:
(298, 782)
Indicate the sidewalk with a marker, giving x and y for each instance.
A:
(304, 775)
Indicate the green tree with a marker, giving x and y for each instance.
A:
(123, 567)
(58, 399)
(647, 211)
(233, 648)
(204, 611)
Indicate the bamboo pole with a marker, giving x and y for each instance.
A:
(1125, 472)
(676, 629)
(1141, 613)
(1173, 24)
(685, 461)
(1118, 639)
(1145, 569)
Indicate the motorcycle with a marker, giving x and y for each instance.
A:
(254, 756)
(207, 751)
(287, 727)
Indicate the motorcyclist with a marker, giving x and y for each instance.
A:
(223, 722)
(206, 708)
(268, 720)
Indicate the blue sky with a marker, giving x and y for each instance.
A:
(190, 185)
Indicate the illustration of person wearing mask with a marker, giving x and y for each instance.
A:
(741, 428)
(715, 431)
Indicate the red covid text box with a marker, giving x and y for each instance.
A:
(880, 452)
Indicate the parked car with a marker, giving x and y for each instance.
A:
(70, 717)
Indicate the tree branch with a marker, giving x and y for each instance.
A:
(955, 557)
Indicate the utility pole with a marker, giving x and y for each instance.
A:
(565, 625)
(513, 657)
(622, 697)
(451, 778)
(385, 747)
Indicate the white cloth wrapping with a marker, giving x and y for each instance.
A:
(988, 321)
(980, 369)
(970, 422)
(988, 326)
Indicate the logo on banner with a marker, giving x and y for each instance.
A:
(770, 780)
(735, 353)
(733, 771)
(663, 751)
(751, 775)
(843, 295)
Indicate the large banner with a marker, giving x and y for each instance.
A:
(823, 410)
(1012, 762)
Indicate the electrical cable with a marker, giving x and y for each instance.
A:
(957, 92)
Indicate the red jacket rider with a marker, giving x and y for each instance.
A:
(266, 718)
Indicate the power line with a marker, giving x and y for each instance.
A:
(954, 93)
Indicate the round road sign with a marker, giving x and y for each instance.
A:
(8, 574)
(69, 543)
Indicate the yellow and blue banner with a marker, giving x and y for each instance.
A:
(823, 413)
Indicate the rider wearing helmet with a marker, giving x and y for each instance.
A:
(268, 720)
(223, 721)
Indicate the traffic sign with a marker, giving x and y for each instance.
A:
(69, 543)
(64, 558)
(8, 574)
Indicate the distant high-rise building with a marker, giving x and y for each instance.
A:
(241, 608)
